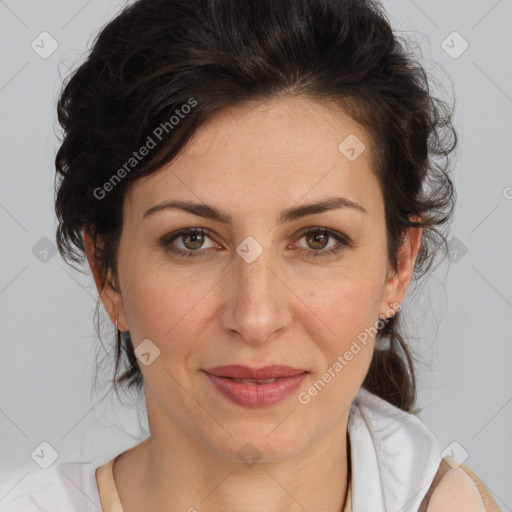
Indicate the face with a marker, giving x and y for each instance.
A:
(263, 289)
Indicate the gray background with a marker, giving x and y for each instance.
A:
(460, 322)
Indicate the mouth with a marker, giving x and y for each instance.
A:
(256, 387)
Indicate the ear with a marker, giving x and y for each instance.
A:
(398, 282)
(108, 289)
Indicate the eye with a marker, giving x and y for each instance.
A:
(191, 238)
(192, 241)
(318, 237)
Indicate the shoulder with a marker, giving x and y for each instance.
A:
(456, 492)
(69, 486)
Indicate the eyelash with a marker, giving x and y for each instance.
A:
(343, 243)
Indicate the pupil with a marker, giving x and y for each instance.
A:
(317, 237)
(196, 239)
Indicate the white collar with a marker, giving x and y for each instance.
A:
(394, 456)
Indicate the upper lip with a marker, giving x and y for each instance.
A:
(236, 371)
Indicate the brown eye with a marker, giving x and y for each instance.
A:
(192, 241)
(318, 240)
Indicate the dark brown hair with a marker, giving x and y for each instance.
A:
(157, 56)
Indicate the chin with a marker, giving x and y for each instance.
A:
(251, 443)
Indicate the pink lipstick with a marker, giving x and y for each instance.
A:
(256, 387)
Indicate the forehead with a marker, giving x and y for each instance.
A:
(275, 152)
(287, 125)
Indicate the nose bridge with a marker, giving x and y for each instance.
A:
(255, 277)
(259, 306)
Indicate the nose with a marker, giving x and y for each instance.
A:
(256, 299)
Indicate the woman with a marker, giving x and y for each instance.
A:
(254, 185)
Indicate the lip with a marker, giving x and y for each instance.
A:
(236, 371)
(256, 395)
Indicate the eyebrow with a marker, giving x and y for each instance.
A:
(211, 212)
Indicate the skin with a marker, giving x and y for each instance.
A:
(456, 492)
(283, 308)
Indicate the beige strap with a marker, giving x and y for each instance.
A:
(109, 497)
(490, 504)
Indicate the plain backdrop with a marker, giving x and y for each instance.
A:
(460, 321)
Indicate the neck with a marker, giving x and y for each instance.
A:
(172, 471)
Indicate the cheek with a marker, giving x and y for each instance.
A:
(345, 314)
(342, 322)
(163, 305)
(349, 301)
(342, 317)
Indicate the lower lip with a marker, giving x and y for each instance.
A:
(257, 395)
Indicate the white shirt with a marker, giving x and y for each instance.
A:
(394, 458)
(68, 487)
